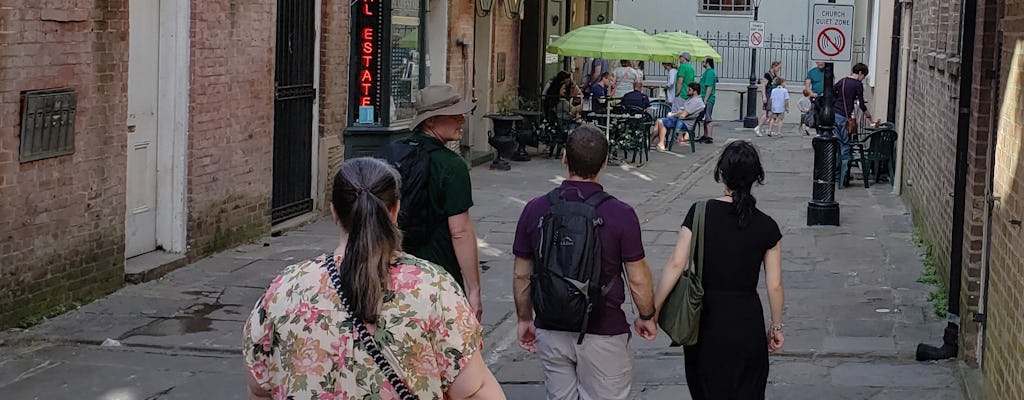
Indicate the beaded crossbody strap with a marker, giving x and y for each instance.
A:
(367, 339)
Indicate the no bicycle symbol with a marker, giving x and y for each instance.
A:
(831, 42)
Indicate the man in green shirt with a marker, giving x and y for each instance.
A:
(440, 117)
(685, 75)
(708, 80)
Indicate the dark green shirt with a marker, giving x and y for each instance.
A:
(708, 80)
(450, 194)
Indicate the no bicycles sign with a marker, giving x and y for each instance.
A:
(833, 27)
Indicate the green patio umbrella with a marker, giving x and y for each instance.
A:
(611, 41)
(678, 42)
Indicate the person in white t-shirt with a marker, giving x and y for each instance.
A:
(780, 106)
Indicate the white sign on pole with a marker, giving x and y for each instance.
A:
(832, 33)
(756, 37)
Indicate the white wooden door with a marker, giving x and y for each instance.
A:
(143, 74)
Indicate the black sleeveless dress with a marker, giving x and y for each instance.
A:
(730, 359)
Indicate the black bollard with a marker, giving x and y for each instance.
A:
(823, 209)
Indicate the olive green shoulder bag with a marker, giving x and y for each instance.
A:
(680, 315)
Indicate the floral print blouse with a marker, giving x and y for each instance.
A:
(298, 345)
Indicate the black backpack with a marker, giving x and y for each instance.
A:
(416, 218)
(565, 286)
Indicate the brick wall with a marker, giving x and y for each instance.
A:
(461, 16)
(1004, 352)
(334, 66)
(933, 92)
(505, 40)
(62, 219)
(232, 118)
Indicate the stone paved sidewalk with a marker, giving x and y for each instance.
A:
(854, 312)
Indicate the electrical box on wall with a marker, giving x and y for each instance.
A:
(600, 12)
(47, 124)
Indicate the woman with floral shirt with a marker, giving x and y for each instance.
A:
(303, 339)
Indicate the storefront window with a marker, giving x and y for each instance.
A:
(406, 58)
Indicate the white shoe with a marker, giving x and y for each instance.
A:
(757, 131)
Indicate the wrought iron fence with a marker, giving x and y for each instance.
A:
(793, 51)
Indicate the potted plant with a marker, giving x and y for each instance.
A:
(502, 138)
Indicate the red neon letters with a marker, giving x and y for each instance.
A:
(367, 80)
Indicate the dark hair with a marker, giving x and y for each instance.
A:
(554, 87)
(365, 191)
(694, 85)
(586, 150)
(606, 75)
(710, 61)
(860, 68)
(624, 63)
(739, 167)
(779, 81)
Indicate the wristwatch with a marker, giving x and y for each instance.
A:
(646, 317)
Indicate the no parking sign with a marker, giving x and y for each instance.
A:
(833, 27)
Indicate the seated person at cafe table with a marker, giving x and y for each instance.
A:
(599, 92)
(684, 117)
(568, 107)
(636, 98)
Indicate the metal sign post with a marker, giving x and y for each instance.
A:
(830, 42)
(756, 38)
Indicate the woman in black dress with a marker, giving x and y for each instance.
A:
(730, 359)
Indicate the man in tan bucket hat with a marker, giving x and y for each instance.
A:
(440, 118)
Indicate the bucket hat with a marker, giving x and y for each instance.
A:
(437, 100)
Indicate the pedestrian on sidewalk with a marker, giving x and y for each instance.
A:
(806, 106)
(849, 92)
(708, 83)
(445, 234)
(578, 231)
(815, 79)
(730, 358)
(670, 82)
(780, 106)
(767, 84)
(416, 333)
(684, 76)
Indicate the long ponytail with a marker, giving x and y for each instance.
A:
(365, 191)
(739, 168)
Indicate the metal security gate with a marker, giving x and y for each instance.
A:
(293, 109)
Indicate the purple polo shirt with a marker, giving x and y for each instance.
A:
(620, 243)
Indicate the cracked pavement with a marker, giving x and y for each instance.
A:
(854, 311)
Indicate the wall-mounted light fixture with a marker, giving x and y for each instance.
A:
(484, 7)
(514, 7)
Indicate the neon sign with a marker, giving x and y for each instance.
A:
(368, 34)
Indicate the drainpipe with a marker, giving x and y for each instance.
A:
(894, 60)
(904, 55)
(951, 337)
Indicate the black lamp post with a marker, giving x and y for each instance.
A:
(750, 120)
(823, 208)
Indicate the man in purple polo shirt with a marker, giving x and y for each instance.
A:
(602, 366)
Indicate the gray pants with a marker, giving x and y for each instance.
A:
(599, 369)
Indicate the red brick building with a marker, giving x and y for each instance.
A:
(157, 132)
(992, 246)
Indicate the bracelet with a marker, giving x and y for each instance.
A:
(777, 328)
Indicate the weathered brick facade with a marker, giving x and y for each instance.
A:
(930, 147)
(1004, 348)
(334, 65)
(62, 219)
(232, 118)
